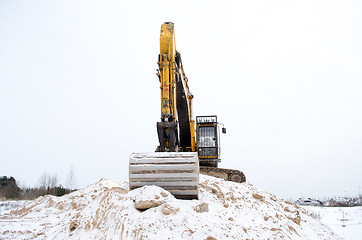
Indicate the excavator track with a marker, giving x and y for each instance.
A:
(223, 173)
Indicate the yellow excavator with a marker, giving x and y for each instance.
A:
(185, 148)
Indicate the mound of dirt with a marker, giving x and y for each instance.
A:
(107, 210)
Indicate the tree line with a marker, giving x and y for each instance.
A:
(48, 185)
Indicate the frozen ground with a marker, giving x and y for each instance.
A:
(107, 210)
(344, 221)
(7, 206)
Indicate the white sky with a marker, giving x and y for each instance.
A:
(78, 88)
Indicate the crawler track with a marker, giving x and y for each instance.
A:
(226, 174)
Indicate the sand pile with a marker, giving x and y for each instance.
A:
(107, 210)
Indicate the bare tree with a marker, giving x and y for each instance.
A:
(71, 183)
(48, 183)
(43, 182)
(53, 181)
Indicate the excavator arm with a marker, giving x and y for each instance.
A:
(176, 98)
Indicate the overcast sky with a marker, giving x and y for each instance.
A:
(78, 88)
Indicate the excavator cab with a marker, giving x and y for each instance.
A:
(207, 135)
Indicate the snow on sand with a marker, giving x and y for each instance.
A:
(107, 210)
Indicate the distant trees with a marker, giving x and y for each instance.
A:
(47, 184)
(8, 188)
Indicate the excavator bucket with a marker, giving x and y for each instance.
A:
(176, 172)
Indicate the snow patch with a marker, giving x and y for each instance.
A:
(226, 210)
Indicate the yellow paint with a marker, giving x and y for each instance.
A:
(167, 71)
(193, 143)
